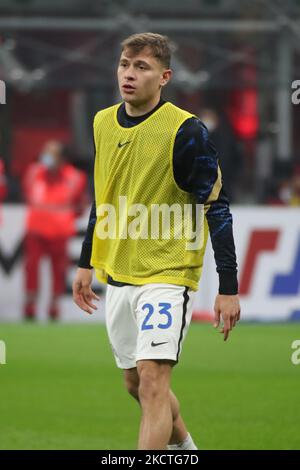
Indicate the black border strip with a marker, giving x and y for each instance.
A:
(185, 301)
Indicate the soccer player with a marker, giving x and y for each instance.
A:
(150, 153)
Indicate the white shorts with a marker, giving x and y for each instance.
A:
(147, 322)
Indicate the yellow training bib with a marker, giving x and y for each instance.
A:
(145, 222)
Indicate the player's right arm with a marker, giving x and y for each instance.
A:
(83, 294)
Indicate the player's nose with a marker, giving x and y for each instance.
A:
(129, 74)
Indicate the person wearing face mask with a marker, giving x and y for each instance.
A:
(55, 193)
(295, 188)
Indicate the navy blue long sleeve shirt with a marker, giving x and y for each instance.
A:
(195, 166)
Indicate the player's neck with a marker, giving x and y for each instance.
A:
(141, 109)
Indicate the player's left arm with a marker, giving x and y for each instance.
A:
(196, 170)
(219, 218)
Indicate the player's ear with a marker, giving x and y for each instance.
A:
(166, 77)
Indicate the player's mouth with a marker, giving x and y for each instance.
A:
(128, 88)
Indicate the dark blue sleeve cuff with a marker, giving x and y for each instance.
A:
(85, 256)
(228, 283)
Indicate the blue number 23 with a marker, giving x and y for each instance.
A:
(164, 310)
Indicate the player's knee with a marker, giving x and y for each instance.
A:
(148, 389)
(153, 384)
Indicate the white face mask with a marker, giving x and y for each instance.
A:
(210, 123)
(48, 160)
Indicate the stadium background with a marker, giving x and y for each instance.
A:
(235, 63)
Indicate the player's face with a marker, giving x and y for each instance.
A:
(141, 76)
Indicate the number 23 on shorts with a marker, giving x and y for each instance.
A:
(163, 311)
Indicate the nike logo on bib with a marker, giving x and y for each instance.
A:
(158, 344)
(123, 143)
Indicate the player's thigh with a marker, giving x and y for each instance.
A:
(163, 313)
(121, 325)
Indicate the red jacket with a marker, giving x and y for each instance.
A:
(54, 199)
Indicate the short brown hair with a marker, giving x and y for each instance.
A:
(159, 45)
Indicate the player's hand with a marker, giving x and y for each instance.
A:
(83, 294)
(227, 307)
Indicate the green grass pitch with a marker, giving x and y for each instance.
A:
(60, 389)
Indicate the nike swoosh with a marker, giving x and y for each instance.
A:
(158, 344)
(124, 143)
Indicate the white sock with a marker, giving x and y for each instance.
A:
(187, 444)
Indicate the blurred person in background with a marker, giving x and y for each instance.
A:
(286, 191)
(231, 161)
(55, 192)
(294, 199)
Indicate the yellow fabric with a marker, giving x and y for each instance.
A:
(215, 192)
(137, 163)
(295, 200)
